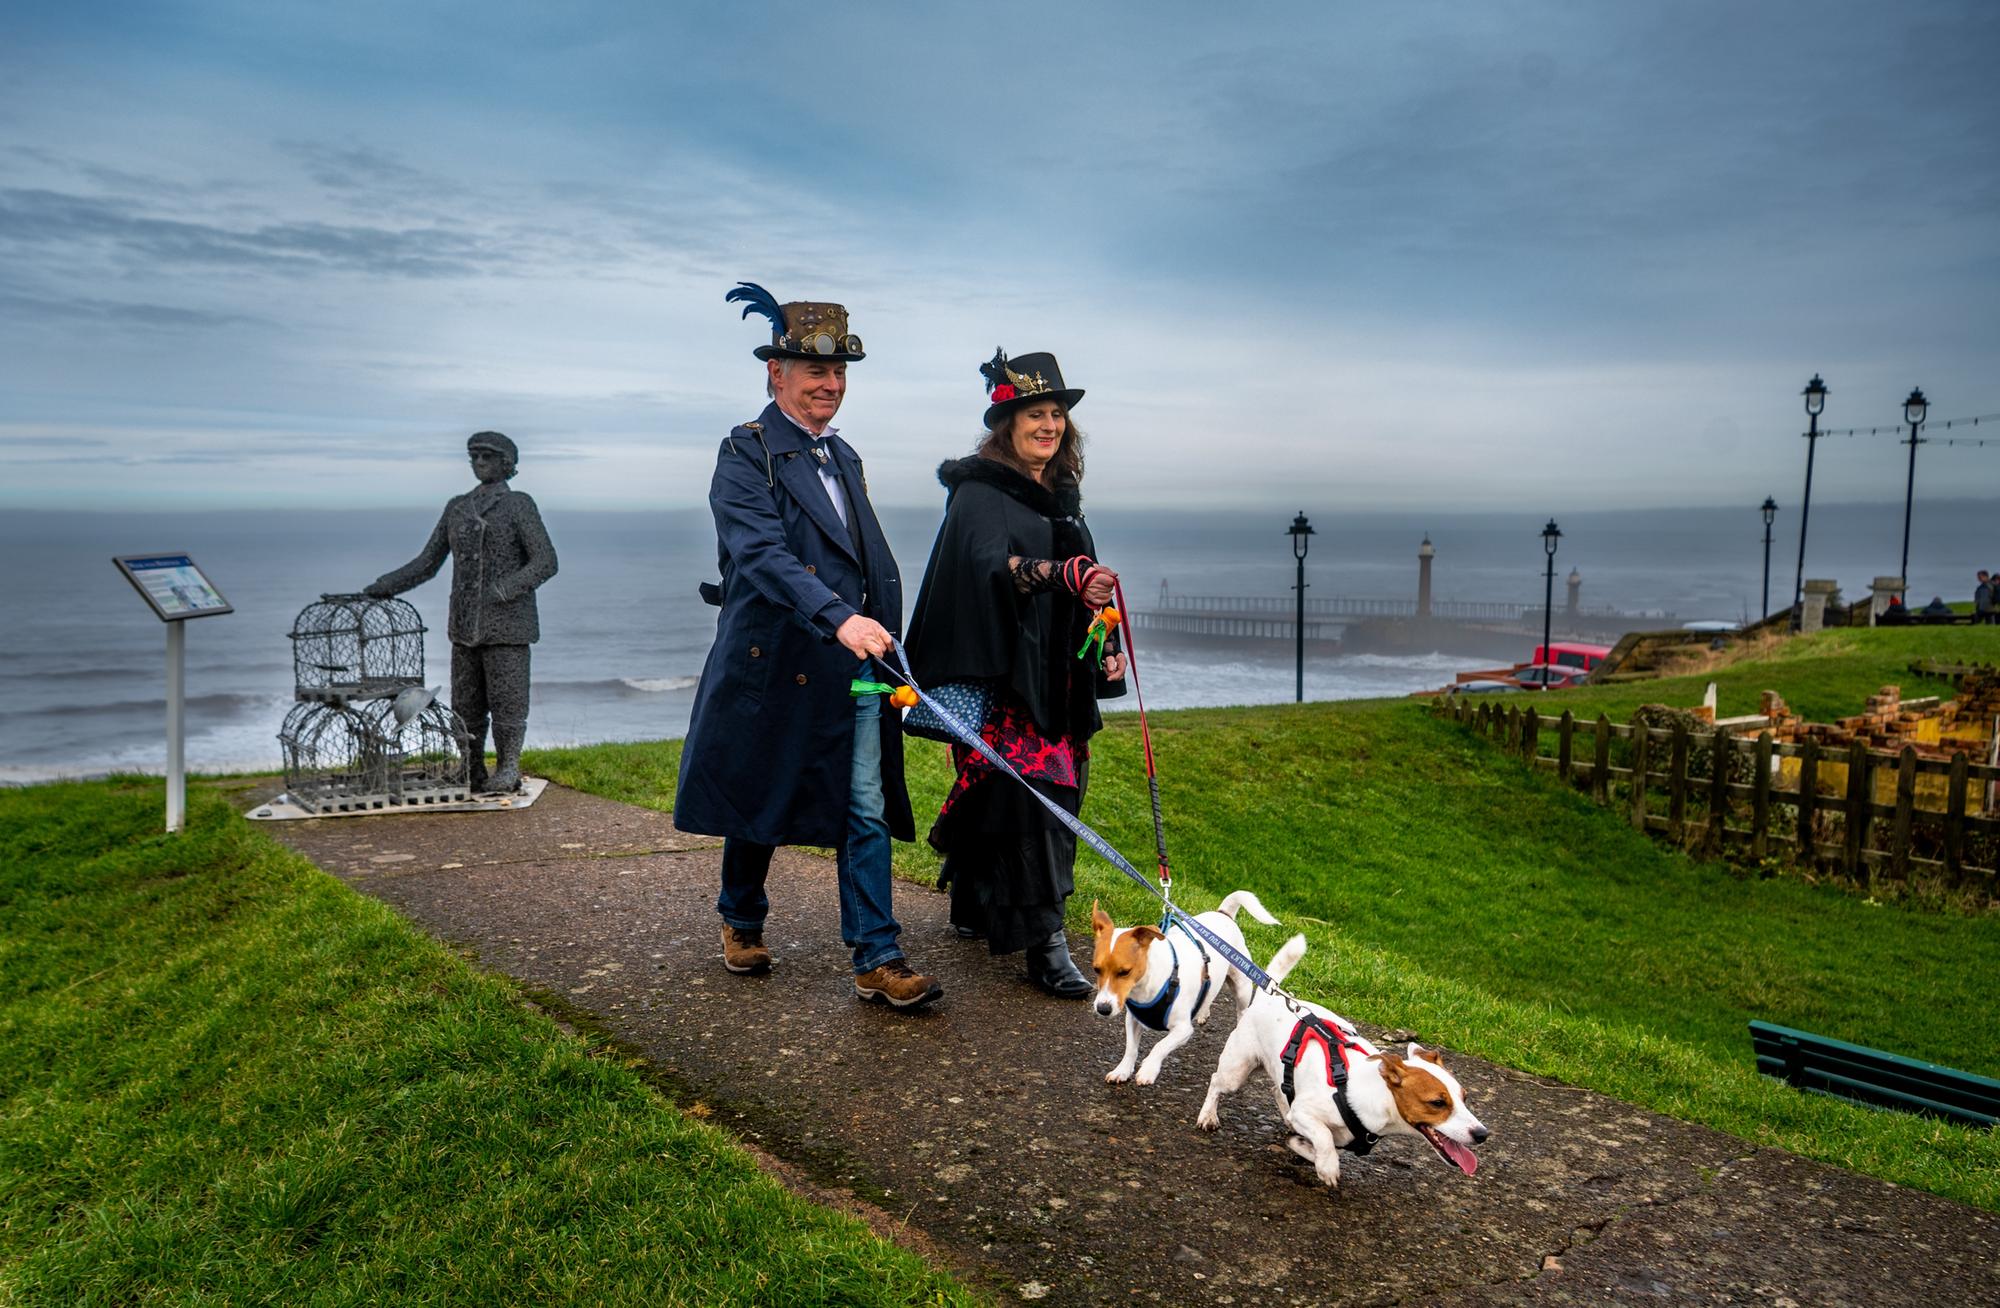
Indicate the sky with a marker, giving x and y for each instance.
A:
(1337, 256)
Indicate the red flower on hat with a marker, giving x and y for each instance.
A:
(1002, 393)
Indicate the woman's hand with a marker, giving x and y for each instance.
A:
(1114, 667)
(1098, 586)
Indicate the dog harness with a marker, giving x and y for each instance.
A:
(1153, 1013)
(1336, 1044)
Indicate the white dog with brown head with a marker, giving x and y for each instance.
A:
(1166, 980)
(1346, 1093)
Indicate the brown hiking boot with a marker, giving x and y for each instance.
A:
(744, 952)
(894, 983)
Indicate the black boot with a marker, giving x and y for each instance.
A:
(1051, 968)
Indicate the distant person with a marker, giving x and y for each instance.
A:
(1983, 604)
(1894, 614)
(1008, 599)
(1937, 608)
(778, 751)
(500, 553)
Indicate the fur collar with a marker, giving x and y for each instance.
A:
(1065, 501)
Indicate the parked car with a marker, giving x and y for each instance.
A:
(1482, 687)
(1570, 654)
(1548, 677)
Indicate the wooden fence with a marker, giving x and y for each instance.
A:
(1865, 812)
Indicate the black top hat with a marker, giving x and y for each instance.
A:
(799, 330)
(1010, 383)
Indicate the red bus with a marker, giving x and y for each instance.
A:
(1571, 654)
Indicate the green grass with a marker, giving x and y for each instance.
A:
(228, 1078)
(1447, 889)
(1822, 677)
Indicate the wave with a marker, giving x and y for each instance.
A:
(643, 685)
(196, 704)
(1432, 662)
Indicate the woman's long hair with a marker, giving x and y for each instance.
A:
(1066, 465)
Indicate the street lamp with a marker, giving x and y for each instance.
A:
(1299, 531)
(1815, 393)
(1770, 509)
(1914, 409)
(1550, 535)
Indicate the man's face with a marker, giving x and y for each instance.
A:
(489, 465)
(809, 388)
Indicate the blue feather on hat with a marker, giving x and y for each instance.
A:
(756, 299)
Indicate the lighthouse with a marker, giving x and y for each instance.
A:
(1425, 553)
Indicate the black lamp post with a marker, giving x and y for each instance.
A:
(1299, 531)
(1550, 535)
(1770, 511)
(1914, 409)
(1815, 393)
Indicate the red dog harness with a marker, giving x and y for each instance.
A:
(1337, 1045)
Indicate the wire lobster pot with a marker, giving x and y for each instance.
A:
(356, 647)
(357, 757)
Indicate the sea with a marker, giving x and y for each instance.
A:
(624, 633)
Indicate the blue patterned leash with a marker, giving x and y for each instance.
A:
(1258, 976)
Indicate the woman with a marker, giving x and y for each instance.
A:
(1008, 599)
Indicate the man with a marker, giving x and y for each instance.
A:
(1982, 599)
(500, 553)
(778, 751)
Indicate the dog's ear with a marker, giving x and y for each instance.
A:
(1435, 1056)
(1145, 935)
(1100, 921)
(1392, 1069)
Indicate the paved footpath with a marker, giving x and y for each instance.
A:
(981, 1132)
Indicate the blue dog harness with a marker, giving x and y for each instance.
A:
(1153, 1013)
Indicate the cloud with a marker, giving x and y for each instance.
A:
(33, 217)
(42, 310)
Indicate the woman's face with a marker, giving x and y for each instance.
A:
(1038, 432)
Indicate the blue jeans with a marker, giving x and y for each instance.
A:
(867, 924)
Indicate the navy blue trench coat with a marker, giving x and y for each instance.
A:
(770, 747)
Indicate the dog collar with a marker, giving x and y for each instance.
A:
(1153, 1013)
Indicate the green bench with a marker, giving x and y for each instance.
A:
(1870, 1076)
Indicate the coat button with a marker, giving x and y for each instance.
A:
(810, 569)
(801, 678)
(756, 653)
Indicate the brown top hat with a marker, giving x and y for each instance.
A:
(802, 329)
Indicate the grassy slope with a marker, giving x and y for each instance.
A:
(226, 1076)
(1446, 889)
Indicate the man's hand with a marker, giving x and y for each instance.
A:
(1098, 586)
(1114, 667)
(864, 636)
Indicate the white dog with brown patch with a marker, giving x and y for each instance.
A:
(1166, 980)
(1344, 1092)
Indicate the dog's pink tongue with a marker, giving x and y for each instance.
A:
(1454, 1153)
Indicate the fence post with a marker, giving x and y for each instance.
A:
(1954, 819)
(1600, 762)
(1760, 800)
(1565, 734)
(1906, 803)
(1808, 800)
(1859, 796)
(1677, 781)
(1721, 753)
(1642, 750)
(1531, 730)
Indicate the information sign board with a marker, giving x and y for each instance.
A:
(173, 585)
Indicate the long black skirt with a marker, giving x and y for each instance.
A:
(1009, 864)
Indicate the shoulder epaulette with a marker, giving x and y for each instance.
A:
(757, 429)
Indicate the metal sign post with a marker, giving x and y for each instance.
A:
(177, 591)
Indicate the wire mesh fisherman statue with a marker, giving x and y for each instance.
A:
(500, 553)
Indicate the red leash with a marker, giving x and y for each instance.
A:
(1146, 739)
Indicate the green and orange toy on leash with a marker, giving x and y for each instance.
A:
(900, 696)
(1100, 630)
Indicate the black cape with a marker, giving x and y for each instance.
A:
(970, 623)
